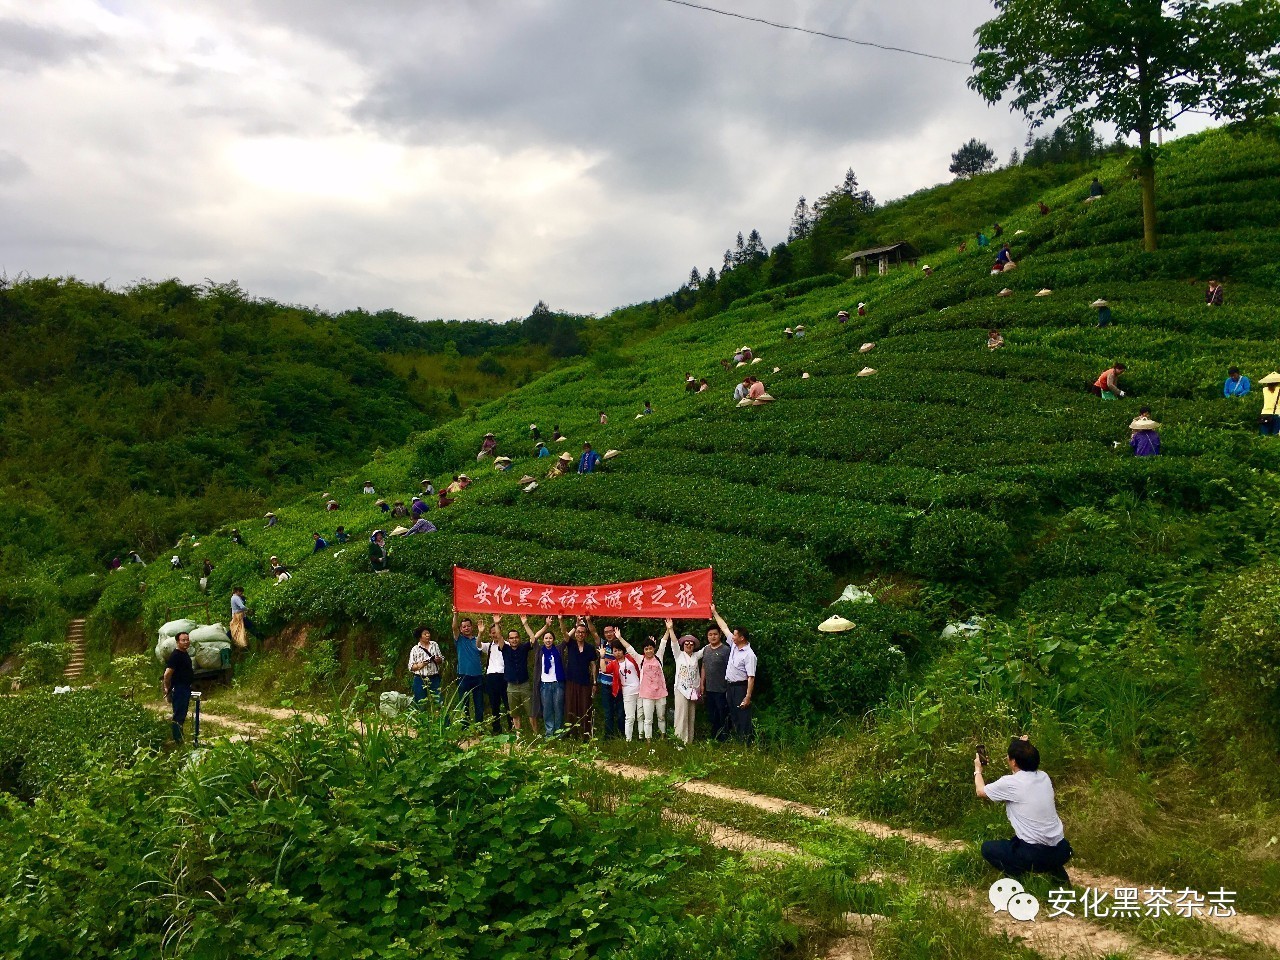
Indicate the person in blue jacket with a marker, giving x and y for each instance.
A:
(1236, 385)
(587, 462)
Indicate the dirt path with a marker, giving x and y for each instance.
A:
(1080, 935)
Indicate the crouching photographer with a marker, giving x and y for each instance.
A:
(1038, 844)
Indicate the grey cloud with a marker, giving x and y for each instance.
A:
(12, 167)
(25, 47)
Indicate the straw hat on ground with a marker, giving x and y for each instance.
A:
(1099, 303)
(1271, 379)
(1018, 233)
(525, 479)
(1006, 292)
(866, 372)
(1144, 423)
(866, 348)
(763, 398)
(804, 376)
(741, 363)
(610, 454)
(836, 625)
(1044, 293)
(744, 402)
(399, 531)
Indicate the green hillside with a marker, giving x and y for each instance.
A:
(1128, 608)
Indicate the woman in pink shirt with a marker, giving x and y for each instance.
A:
(757, 389)
(653, 683)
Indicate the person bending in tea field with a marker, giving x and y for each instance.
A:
(995, 340)
(1213, 297)
(1107, 386)
(1236, 385)
(1145, 439)
(739, 678)
(652, 693)
(741, 390)
(179, 673)
(580, 665)
(1269, 421)
(1038, 844)
(378, 552)
(688, 685)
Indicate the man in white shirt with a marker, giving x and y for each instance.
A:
(739, 677)
(1038, 844)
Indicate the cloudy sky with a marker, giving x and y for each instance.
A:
(456, 158)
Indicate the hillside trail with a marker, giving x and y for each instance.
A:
(1066, 937)
(1251, 927)
(75, 639)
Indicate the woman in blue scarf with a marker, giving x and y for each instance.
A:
(551, 672)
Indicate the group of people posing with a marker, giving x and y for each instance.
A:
(570, 677)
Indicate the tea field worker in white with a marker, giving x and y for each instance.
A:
(1038, 844)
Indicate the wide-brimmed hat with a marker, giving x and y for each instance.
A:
(804, 376)
(744, 402)
(368, 483)
(610, 454)
(501, 459)
(800, 326)
(399, 531)
(540, 443)
(866, 348)
(786, 330)
(566, 456)
(487, 435)
(866, 372)
(419, 499)
(463, 476)
(836, 625)
(334, 502)
(1006, 292)
(561, 440)
(777, 369)
(1018, 233)
(525, 479)
(926, 267)
(843, 313)
(379, 502)
(1270, 379)
(326, 496)
(268, 515)
(275, 558)
(741, 363)
(1044, 293)
(1144, 423)
(763, 398)
(533, 426)
(861, 305)
(688, 638)
(1099, 303)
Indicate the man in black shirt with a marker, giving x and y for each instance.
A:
(178, 675)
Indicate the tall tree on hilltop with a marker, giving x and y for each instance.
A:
(971, 159)
(801, 221)
(695, 279)
(782, 265)
(1138, 64)
(740, 251)
(754, 253)
(727, 265)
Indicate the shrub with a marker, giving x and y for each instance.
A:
(47, 737)
(959, 543)
(1242, 620)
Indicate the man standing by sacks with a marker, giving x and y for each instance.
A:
(179, 673)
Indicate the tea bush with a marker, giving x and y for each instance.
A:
(385, 841)
(47, 739)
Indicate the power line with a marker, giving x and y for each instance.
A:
(816, 33)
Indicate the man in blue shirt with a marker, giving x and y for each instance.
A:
(321, 543)
(1237, 384)
(470, 669)
(587, 463)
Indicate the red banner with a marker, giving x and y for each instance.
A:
(685, 596)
